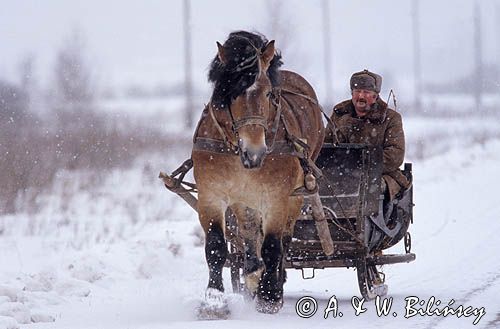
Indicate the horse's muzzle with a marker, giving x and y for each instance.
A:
(252, 158)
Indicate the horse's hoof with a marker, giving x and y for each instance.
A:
(268, 306)
(214, 306)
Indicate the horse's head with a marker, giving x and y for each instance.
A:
(250, 112)
(247, 69)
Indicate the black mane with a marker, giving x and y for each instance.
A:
(233, 78)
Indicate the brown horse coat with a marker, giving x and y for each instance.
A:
(215, 173)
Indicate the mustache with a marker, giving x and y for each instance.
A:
(361, 100)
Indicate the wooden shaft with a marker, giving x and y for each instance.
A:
(322, 225)
(170, 183)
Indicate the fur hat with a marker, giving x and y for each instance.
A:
(366, 80)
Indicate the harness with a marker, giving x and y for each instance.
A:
(292, 146)
(226, 146)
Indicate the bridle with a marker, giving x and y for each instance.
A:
(275, 97)
(260, 120)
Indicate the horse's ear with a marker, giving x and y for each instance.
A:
(268, 53)
(221, 53)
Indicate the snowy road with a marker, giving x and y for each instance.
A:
(154, 276)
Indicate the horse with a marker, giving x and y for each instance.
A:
(252, 149)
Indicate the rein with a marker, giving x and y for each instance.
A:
(221, 131)
(312, 100)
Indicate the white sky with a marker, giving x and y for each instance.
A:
(141, 41)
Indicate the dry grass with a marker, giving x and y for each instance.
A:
(33, 151)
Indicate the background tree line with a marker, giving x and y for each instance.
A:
(60, 129)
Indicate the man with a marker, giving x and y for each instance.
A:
(366, 119)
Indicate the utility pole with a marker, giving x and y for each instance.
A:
(327, 51)
(478, 57)
(275, 20)
(497, 19)
(188, 81)
(416, 56)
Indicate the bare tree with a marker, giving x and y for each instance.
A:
(327, 54)
(29, 84)
(26, 72)
(277, 26)
(74, 89)
(417, 71)
(497, 20)
(478, 57)
(188, 84)
(13, 144)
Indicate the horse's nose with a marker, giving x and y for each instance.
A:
(252, 157)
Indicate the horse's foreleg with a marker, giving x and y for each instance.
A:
(270, 289)
(270, 292)
(212, 221)
(215, 254)
(214, 306)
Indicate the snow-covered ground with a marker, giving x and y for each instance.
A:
(118, 251)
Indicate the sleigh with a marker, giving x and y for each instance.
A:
(360, 224)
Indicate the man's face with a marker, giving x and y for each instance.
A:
(363, 100)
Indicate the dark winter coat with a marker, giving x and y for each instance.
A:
(381, 126)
